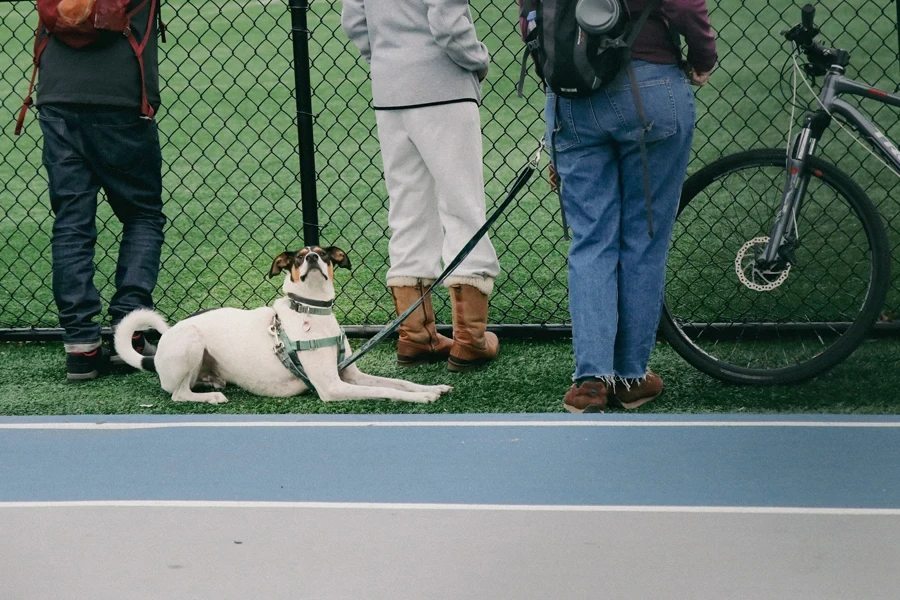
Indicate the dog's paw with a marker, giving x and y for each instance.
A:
(424, 397)
(215, 398)
(440, 389)
(212, 381)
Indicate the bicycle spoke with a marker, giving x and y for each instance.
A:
(774, 318)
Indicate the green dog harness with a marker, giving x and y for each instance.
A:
(287, 349)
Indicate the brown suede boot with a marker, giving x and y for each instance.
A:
(419, 340)
(590, 396)
(473, 344)
(639, 393)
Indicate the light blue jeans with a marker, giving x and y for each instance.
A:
(616, 270)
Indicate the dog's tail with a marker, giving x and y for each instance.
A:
(137, 320)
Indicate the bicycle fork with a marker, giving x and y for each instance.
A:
(783, 239)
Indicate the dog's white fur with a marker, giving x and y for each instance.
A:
(235, 346)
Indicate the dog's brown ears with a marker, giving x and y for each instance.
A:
(338, 257)
(281, 262)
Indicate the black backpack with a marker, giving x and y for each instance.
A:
(577, 45)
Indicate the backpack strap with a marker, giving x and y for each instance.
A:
(559, 183)
(138, 48)
(636, 93)
(40, 42)
(161, 24)
(528, 13)
(530, 48)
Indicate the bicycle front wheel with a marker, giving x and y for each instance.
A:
(782, 328)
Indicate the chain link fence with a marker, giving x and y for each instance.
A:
(260, 157)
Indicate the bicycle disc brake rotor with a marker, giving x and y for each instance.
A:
(752, 276)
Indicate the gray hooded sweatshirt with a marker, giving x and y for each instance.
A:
(421, 52)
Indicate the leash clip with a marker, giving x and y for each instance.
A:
(536, 161)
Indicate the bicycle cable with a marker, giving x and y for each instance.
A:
(841, 125)
(784, 67)
(790, 137)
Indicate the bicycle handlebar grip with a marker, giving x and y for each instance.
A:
(808, 15)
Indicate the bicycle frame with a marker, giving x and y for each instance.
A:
(814, 125)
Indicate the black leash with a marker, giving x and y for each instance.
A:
(517, 186)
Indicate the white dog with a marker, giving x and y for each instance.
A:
(260, 350)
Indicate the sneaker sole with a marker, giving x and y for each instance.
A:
(77, 377)
(116, 361)
(591, 408)
(633, 405)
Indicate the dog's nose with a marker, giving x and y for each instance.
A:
(312, 257)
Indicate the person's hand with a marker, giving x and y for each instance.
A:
(698, 79)
(482, 73)
(552, 177)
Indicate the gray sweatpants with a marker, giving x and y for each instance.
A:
(433, 171)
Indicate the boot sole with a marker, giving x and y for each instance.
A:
(412, 361)
(458, 365)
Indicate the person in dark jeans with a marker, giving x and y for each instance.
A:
(89, 104)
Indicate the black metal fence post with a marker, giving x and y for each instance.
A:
(303, 91)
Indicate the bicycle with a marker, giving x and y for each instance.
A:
(819, 245)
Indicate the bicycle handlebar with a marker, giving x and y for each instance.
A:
(807, 16)
(820, 57)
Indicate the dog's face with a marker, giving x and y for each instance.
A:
(310, 267)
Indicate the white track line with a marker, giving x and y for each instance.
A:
(777, 510)
(354, 424)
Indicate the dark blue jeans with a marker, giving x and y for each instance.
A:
(87, 148)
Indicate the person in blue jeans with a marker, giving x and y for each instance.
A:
(95, 136)
(616, 264)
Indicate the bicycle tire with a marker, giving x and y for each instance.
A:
(673, 327)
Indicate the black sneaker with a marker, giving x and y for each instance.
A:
(139, 342)
(84, 366)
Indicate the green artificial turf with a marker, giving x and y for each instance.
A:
(528, 377)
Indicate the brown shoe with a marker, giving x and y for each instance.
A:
(590, 396)
(638, 394)
(419, 340)
(473, 344)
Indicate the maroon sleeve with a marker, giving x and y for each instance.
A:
(690, 18)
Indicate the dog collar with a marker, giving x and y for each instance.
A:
(308, 305)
